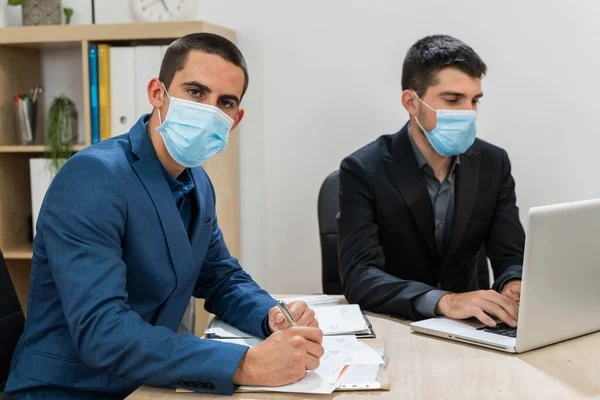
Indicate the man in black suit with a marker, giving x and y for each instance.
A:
(417, 206)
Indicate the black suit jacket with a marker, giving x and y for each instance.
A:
(387, 250)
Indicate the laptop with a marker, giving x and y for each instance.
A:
(560, 290)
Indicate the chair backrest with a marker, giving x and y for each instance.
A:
(328, 210)
(12, 321)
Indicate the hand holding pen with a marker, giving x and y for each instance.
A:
(297, 313)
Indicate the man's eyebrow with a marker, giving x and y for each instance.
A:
(206, 89)
(198, 85)
(232, 97)
(459, 94)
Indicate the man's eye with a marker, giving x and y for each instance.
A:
(227, 104)
(194, 92)
(452, 101)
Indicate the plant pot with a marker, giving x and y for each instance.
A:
(42, 12)
(41, 176)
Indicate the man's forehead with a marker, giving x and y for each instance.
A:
(451, 79)
(212, 71)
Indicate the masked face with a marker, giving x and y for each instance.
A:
(193, 132)
(454, 132)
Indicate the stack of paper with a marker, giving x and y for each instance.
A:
(342, 353)
(346, 319)
(341, 319)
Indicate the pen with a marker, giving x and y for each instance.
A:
(286, 313)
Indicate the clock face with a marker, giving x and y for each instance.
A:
(162, 10)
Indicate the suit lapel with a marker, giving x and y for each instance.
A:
(198, 248)
(408, 179)
(465, 194)
(149, 170)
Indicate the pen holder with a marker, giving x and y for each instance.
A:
(26, 119)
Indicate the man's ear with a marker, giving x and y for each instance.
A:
(156, 93)
(238, 118)
(409, 101)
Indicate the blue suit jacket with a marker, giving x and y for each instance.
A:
(113, 271)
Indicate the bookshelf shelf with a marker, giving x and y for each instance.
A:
(34, 148)
(22, 58)
(21, 252)
(65, 35)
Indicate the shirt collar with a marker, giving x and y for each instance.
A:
(183, 184)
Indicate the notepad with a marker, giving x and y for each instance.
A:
(343, 319)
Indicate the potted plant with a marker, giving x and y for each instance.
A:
(39, 12)
(62, 132)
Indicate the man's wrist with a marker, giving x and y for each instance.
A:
(441, 304)
(243, 373)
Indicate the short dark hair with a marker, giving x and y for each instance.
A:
(431, 54)
(177, 53)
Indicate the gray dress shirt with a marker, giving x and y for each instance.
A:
(442, 201)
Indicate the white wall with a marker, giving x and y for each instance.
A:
(325, 80)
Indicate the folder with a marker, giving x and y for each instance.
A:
(147, 66)
(104, 89)
(122, 89)
(94, 102)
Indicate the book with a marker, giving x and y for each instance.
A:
(94, 103)
(104, 90)
(122, 89)
(147, 66)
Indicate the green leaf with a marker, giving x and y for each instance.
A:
(68, 14)
(16, 2)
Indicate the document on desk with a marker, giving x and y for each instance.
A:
(340, 352)
(341, 319)
(344, 319)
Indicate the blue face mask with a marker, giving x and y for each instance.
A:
(193, 132)
(454, 131)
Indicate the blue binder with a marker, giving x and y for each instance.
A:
(95, 110)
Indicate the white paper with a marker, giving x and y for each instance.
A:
(249, 342)
(222, 329)
(340, 351)
(363, 376)
(333, 320)
(313, 300)
(347, 350)
(346, 318)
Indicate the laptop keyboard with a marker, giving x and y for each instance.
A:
(501, 329)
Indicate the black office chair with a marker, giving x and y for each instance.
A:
(328, 211)
(12, 321)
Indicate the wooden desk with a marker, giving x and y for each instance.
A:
(423, 367)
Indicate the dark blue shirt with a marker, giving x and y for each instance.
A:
(182, 189)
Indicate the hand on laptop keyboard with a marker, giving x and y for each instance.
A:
(500, 329)
(479, 304)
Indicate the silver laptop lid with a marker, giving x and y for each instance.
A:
(560, 295)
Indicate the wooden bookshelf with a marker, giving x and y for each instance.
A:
(21, 64)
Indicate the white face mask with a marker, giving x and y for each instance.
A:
(193, 132)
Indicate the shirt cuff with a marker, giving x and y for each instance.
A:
(514, 272)
(425, 304)
(265, 327)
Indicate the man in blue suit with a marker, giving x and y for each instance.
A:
(128, 233)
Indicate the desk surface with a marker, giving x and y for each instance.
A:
(424, 367)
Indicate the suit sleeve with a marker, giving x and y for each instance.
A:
(361, 257)
(83, 221)
(505, 241)
(230, 292)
